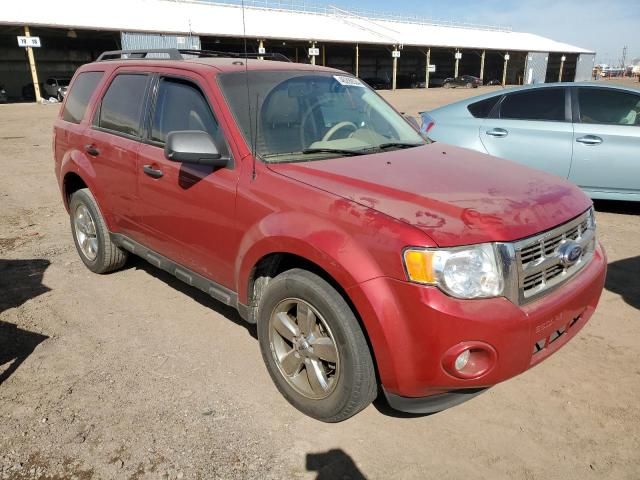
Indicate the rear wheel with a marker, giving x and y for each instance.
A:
(91, 236)
(314, 348)
(447, 85)
(469, 85)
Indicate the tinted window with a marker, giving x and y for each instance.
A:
(181, 106)
(539, 104)
(121, 108)
(483, 108)
(615, 107)
(78, 98)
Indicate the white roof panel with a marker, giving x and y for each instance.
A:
(208, 19)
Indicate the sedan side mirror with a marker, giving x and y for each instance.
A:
(412, 121)
(193, 146)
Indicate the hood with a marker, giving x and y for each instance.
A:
(456, 196)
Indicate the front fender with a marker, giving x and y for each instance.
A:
(307, 236)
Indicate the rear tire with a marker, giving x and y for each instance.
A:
(321, 364)
(469, 85)
(91, 235)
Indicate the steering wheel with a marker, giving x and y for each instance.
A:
(338, 126)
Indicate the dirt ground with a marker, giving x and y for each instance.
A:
(134, 375)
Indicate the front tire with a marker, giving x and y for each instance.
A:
(91, 235)
(314, 348)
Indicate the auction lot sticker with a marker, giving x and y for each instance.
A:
(348, 81)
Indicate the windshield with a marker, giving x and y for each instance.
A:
(301, 116)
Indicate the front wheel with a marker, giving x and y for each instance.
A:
(314, 348)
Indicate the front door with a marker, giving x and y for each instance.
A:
(188, 211)
(606, 150)
(532, 127)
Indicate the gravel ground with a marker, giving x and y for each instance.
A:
(134, 375)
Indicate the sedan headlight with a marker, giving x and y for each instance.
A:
(465, 272)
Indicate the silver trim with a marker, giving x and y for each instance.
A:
(519, 273)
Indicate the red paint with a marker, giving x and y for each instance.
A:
(350, 216)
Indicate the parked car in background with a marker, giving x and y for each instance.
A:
(493, 82)
(377, 83)
(369, 259)
(466, 81)
(4, 98)
(56, 87)
(588, 133)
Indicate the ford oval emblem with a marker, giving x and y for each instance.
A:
(570, 252)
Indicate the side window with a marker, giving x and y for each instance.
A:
(180, 105)
(121, 108)
(539, 104)
(79, 96)
(483, 108)
(608, 106)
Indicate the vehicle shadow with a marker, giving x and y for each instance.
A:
(616, 206)
(333, 464)
(622, 278)
(199, 296)
(20, 281)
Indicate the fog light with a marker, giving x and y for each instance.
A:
(462, 360)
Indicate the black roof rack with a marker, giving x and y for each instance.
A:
(178, 54)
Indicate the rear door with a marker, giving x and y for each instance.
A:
(188, 211)
(532, 127)
(112, 145)
(606, 151)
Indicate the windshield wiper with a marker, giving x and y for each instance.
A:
(341, 151)
(384, 146)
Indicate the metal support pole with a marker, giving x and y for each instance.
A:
(426, 75)
(455, 74)
(357, 60)
(32, 67)
(482, 66)
(504, 71)
(261, 46)
(395, 70)
(562, 59)
(313, 57)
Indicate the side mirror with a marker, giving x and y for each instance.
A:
(193, 146)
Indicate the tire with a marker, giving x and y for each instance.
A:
(350, 375)
(91, 235)
(447, 85)
(469, 85)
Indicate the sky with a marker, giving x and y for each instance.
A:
(605, 26)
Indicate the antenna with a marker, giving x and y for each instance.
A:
(246, 74)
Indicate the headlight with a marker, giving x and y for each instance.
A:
(466, 272)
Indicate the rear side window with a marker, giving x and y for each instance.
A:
(540, 104)
(78, 98)
(121, 108)
(483, 108)
(181, 106)
(612, 107)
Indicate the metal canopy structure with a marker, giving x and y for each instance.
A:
(269, 19)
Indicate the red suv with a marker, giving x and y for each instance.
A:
(370, 259)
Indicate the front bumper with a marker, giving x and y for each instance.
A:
(411, 328)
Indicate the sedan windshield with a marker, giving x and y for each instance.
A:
(289, 116)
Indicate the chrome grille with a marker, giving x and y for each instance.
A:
(540, 263)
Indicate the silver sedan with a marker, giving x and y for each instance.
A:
(588, 133)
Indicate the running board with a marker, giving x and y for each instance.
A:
(215, 290)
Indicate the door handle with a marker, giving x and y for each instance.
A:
(92, 150)
(589, 140)
(497, 132)
(152, 172)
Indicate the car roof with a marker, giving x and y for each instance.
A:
(520, 88)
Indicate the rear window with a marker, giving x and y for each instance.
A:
(609, 107)
(79, 97)
(121, 109)
(545, 104)
(483, 108)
